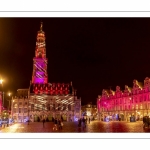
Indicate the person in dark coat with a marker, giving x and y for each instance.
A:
(89, 120)
(43, 122)
(59, 124)
(79, 123)
(55, 124)
(84, 123)
(148, 121)
(145, 121)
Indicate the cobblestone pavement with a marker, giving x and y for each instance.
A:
(72, 127)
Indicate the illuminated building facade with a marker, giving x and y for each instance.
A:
(121, 105)
(1, 97)
(0, 101)
(48, 100)
(89, 110)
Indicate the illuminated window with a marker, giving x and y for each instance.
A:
(149, 106)
(53, 106)
(43, 107)
(58, 106)
(132, 106)
(15, 105)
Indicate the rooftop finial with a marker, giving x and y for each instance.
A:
(41, 27)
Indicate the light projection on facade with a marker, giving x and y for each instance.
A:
(44, 99)
(40, 61)
(123, 104)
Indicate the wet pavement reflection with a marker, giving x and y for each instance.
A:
(72, 127)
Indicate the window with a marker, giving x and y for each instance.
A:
(64, 107)
(58, 106)
(144, 97)
(25, 103)
(48, 107)
(20, 103)
(129, 107)
(32, 107)
(125, 107)
(43, 107)
(141, 106)
(15, 105)
(132, 106)
(53, 106)
(25, 110)
(140, 98)
(19, 110)
(120, 107)
(14, 110)
(120, 101)
(69, 107)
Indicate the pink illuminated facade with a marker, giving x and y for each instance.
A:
(122, 104)
(44, 99)
(0, 102)
(39, 75)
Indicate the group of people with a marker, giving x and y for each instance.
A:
(58, 124)
(83, 121)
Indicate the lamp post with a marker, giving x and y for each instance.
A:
(28, 112)
(9, 100)
(1, 82)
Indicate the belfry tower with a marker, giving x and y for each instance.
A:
(39, 75)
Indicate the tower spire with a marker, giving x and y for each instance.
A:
(40, 61)
(41, 27)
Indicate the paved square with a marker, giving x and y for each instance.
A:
(72, 127)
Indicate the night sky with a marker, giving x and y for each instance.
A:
(93, 53)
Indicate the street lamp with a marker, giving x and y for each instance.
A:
(1, 82)
(9, 100)
(28, 112)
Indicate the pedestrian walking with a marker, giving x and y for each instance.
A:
(145, 121)
(79, 123)
(61, 123)
(86, 120)
(55, 124)
(43, 122)
(84, 123)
